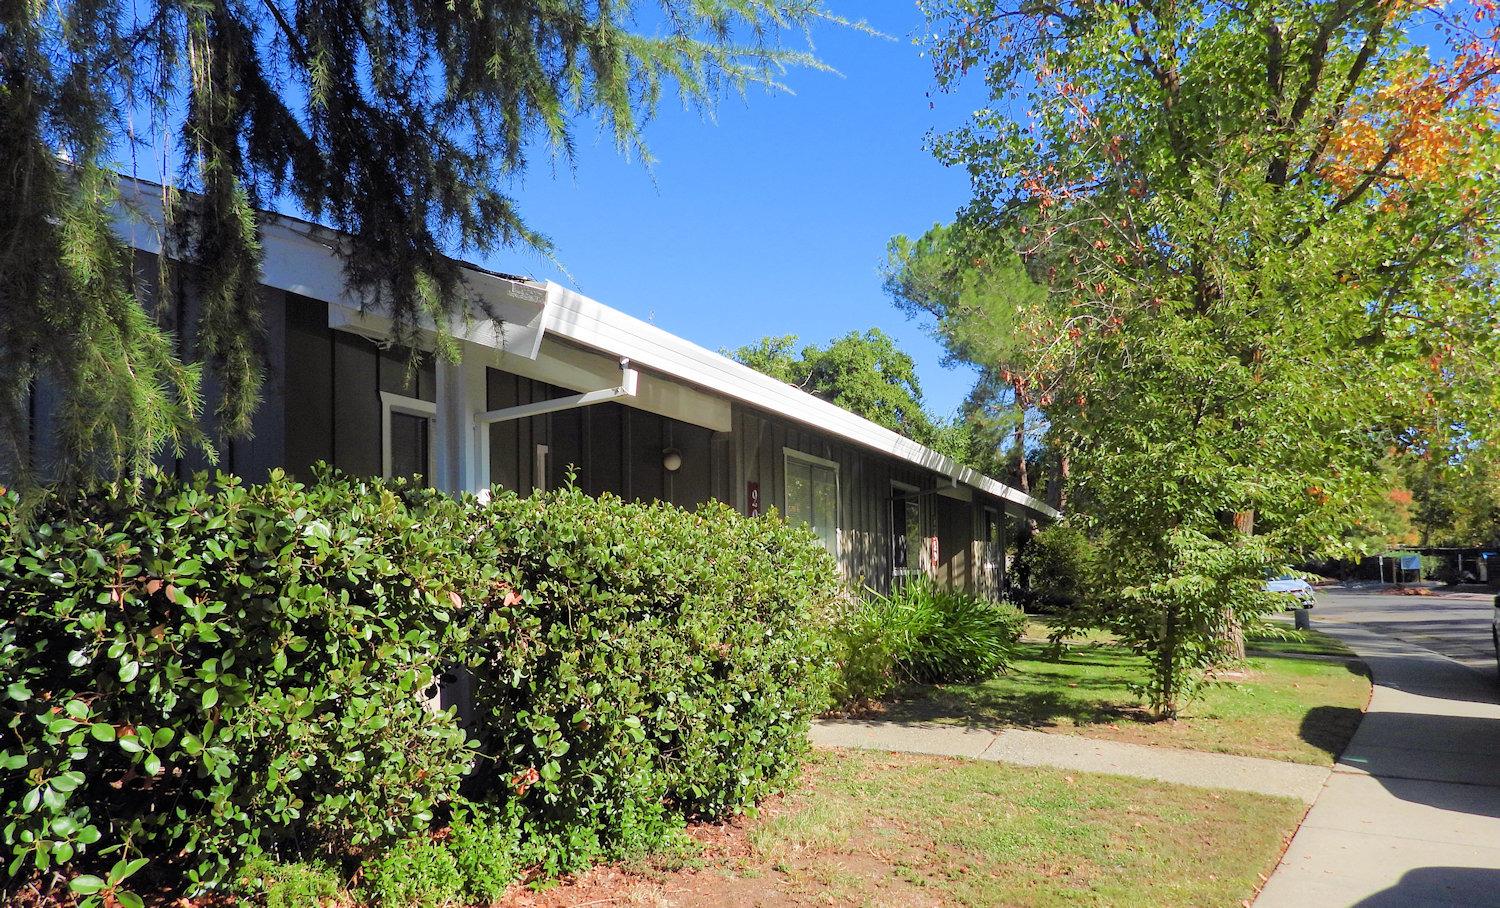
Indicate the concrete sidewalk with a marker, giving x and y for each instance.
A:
(1034, 748)
(1411, 814)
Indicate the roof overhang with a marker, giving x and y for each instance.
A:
(513, 316)
(300, 257)
(589, 323)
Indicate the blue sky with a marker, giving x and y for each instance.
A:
(773, 217)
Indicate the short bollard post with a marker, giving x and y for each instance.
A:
(1303, 619)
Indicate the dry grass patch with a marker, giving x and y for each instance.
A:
(886, 829)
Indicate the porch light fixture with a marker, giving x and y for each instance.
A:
(671, 460)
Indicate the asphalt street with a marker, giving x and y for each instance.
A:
(1456, 625)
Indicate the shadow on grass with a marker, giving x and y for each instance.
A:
(1031, 709)
(1034, 695)
(1078, 688)
(1329, 728)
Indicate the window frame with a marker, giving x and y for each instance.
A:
(792, 454)
(903, 494)
(390, 403)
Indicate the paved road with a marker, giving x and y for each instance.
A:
(1456, 625)
(1411, 814)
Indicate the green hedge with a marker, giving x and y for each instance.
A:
(200, 674)
(659, 655)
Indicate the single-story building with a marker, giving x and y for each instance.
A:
(552, 384)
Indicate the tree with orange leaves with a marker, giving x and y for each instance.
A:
(1268, 239)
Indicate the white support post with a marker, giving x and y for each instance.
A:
(460, 465)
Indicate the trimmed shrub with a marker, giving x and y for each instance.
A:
(204, 673)
(217, 671)
(650, 662)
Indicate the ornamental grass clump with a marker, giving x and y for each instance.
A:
(920, 633)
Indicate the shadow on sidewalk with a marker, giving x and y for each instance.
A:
(1448, 762)
(1468, 886)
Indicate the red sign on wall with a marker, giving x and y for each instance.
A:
(932, 553)
(752, 498)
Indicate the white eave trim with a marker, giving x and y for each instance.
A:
(584, 321)
(301, 258)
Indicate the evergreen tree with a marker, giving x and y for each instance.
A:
(399, 122)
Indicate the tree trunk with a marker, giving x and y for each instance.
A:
(1166, 668)
(1023, 477)
(1063, 467)
(1232, 644)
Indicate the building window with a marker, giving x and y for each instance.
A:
(812, 496)
(906, 530)
(408, 442)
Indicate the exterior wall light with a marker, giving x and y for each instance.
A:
(671, 460)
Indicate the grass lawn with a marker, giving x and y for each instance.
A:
(893, 829)
(1282, 707)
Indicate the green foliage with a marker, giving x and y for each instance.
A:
(923, 633)
(260, 659)
(1175, 617)
(417, 873)
(290, 885)
(1457, 499)
(486, 849)
(955, 636)
(865, 374)
(399, 123)
(249, 656)
(974, 286)
(655, 656)
(870, 639)
(1265, 243)
(1058, 563)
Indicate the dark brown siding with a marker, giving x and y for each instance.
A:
(606, 447)
(955, 524)
(308, 405)
(331, 391)
(253, 458)
(356, 405)
(759, 442)
(645, 445)
(178, 312)
(513, 443)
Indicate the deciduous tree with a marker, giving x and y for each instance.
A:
(867, 374)
(1268, 236)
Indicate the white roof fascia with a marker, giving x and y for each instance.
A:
(585, 321)
(301, 258)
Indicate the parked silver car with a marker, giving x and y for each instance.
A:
(1295, 587)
